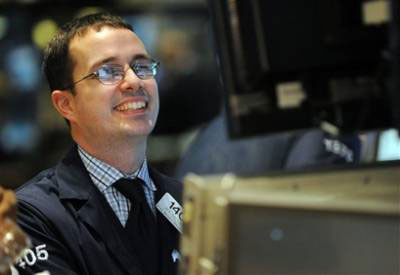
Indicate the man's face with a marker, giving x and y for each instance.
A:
(114, 111)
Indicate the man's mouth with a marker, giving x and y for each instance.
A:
(137, 105)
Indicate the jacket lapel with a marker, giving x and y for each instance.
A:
(97, 214)
(94, 212)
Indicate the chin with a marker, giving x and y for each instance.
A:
(142, 128)
(142, 132)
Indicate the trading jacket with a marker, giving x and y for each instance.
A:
(73, 229)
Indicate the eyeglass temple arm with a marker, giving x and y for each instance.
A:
(83, 78)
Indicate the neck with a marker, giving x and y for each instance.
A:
(127, 157)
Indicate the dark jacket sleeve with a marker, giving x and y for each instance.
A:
(47, 252)
(314, 149)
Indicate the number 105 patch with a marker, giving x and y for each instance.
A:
(172, 210)
(31, 256)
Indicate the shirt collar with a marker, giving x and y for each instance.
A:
(107, 175)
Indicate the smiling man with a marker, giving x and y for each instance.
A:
(102, 209)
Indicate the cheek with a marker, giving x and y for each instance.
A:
(153, 91)
(94, 106)
(157, 103)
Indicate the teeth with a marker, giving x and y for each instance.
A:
(132, 106)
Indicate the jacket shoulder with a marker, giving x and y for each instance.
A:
(170, 184)
(39, 197)
(39, 189)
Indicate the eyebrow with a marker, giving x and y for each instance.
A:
(112, 58)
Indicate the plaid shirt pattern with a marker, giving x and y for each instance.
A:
(104, 176)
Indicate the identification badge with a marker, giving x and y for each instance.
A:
(172, 210)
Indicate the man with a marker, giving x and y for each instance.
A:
(82, 215)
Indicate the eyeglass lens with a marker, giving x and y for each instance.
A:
(112, 73)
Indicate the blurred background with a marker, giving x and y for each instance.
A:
(177, 33)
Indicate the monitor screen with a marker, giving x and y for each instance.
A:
(290, 64)
(388, 147)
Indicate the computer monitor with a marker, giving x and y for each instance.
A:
(343, 221)
(291, 64)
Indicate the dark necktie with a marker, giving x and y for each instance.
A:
(141, 225)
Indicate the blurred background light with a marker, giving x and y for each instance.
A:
(3, 26)
(3, 83)
(389, 145)
(19, 136)
(43, 31)
(23, 67)
(88, 10)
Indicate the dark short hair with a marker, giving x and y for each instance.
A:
(57, 62)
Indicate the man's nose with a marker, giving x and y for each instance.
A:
(131, 81)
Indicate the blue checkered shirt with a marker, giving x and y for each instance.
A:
(104, 176)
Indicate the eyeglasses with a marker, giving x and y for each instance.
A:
(111, 74)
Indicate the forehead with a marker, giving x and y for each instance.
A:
(107, 43)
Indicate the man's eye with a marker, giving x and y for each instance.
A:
(143, 67)
(107, 72)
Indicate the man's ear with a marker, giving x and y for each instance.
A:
(63, 101)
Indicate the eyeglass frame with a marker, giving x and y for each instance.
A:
(94, 74)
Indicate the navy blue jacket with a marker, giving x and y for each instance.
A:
(75, 231)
